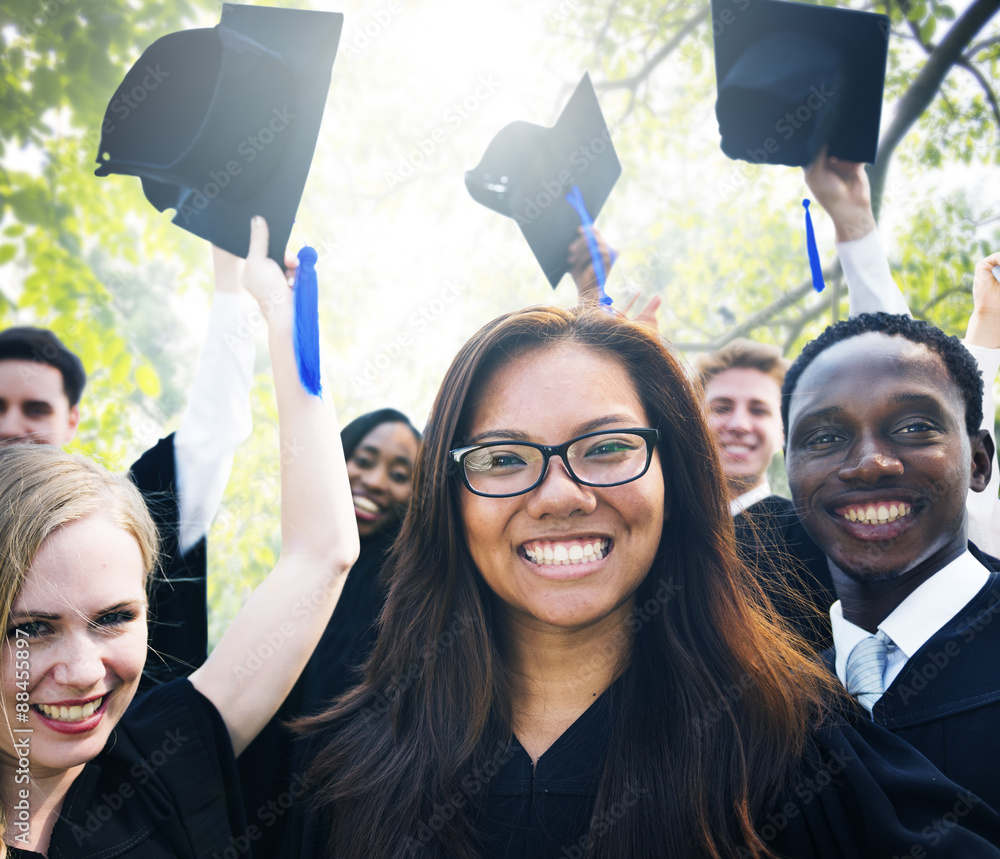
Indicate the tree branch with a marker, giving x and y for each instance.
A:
(633, 81)
(924, 311)
(603, 34)
(928, 48)
(978, 46)
(762, 317)
(629, 108)
(794, 328)
(952, 110)
(923, 90)
(991, 96)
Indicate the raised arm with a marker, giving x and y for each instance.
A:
(842, 189)
(983, 341)
(217, 418)
(282, 621)
(184, 476)
(581, 267)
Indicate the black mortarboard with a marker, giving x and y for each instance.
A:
(527, 171)
(792, 76)
(221, 123)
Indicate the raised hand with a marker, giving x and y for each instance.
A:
(581, 266)
(842, 189)
(262, 276)
(984, 323)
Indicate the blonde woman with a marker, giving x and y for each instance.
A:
(85, 771)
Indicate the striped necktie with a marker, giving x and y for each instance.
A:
(865, 669)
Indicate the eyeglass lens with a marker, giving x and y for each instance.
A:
(504, 468)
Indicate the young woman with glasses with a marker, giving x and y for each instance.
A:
(573, 663)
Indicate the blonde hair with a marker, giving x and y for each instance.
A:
(43, 488)
(741, 353)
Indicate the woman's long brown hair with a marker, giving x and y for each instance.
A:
(715, 708)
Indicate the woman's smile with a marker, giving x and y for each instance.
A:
(82, 612)
(563, 553)
(73, 718)
(572, 553)
(380, 470)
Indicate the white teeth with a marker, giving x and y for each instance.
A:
(871, 515)
(560, 554)
(76, 713)
(365, 504)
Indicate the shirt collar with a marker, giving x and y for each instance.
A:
(749, 498)
(920, 615)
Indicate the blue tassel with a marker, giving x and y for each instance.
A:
(307, 322)
(814, 264)
(575, 199)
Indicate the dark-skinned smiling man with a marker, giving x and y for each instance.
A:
(882, 416)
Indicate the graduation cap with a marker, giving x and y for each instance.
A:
(221, 123)
(793, 76)
(528, 171)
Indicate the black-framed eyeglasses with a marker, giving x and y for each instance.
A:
(501, 469)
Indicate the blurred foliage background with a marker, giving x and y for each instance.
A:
(409, 265)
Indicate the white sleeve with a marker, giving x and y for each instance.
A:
(870, 287)
(984, 507)
(217, 418)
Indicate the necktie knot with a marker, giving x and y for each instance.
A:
(865, 671)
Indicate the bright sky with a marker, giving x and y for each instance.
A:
(434, 81)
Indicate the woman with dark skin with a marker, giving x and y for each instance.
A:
(380, 448)
(573, 662)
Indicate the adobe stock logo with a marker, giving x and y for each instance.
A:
(45, 11)
(363, 34)
(124, 103)
(791, 122)
(250, 147)
(454, 116)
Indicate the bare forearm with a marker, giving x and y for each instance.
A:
(268, 644)
(984, 330)
(315, 496)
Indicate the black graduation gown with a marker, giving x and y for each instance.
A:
(863, 793)
(859, 793)
(178, 617)
(273, 767)
(772, 541)
(164, 786)
(541, 811)
(946, 700)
